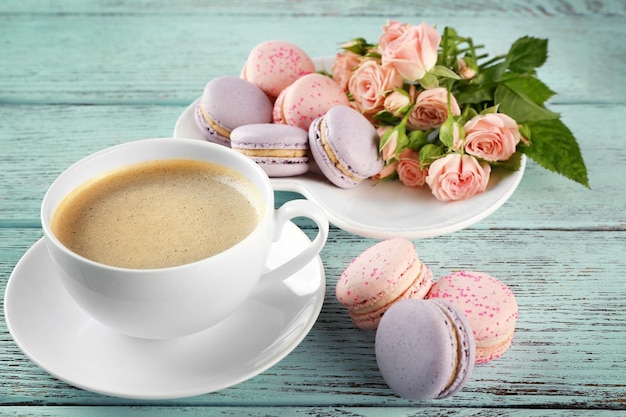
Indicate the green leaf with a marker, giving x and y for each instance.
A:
(417, 139)
(517, 104)
(446, 132)
(473, 94)
(385, 118)
(512, 164)
(430, 152)
(445, 72)
(532, 87)
(429, 81)
(526, 54)
(554, 147)
(358, 46)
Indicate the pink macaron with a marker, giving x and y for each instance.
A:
(345, 146)
(280, 150)
(306, 99)
(489, 306)
(227, 103)
(379, 277)
(274, 65)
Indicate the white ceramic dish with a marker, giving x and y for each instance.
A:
(388, 209)
(58, 336)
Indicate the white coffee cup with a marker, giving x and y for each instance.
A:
(180, 300)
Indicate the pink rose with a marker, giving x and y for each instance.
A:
(431, 109)
(492, 136)
(457, 177)
(344, 66)
(409, 170)
(465, 71)
(412, 50)
(396, 102)
(369, 84)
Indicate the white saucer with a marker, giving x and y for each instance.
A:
(388, 209)
(59, 337)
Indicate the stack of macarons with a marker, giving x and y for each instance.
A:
(284, 115)
(429, 334)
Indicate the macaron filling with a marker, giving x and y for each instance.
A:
(274, 153)
(213, 124)
(331, 154)
(461, 340)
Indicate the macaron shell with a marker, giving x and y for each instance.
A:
(486, 354)
(263, 141)
(328, 168)
(306, 99)
(418, 290)
(270, 136)
(489, 305)
(354, 141)
(282, 167)
(466, 348)
(417, 350)
(274, 65)
(376, 273)
(231, 102)
(208, 132)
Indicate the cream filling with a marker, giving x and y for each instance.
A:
(274, 153)
(331, 154)
(220, 130)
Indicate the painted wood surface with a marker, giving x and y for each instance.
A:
(77, 76)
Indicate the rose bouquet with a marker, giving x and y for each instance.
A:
(447, 114)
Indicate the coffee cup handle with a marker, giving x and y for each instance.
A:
(288, 211)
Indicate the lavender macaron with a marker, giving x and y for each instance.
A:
(344, 145)
(280, 150)
(425, 349)
(227, 103)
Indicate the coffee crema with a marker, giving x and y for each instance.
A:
(158, 214)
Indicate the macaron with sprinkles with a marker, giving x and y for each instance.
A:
(382, 275)
(306, 99)
(274, 65)
(489, 305)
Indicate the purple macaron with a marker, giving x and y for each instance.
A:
(345, 146)
(227, 103)
(425, 349)
(280, 150)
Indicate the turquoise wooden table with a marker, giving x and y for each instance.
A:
(77, 76)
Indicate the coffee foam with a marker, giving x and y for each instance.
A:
(158, 214)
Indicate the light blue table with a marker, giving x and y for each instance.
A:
(77, 76)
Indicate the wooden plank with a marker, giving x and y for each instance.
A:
(511, 8)
(116, 57)
(294, 411)
(568, 351)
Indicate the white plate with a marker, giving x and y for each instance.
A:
(59, 337)
(387, 209)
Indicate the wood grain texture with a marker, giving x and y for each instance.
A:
(111, 55)
(78, 76)
(568, 351)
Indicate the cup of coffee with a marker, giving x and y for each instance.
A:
(162, 238)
